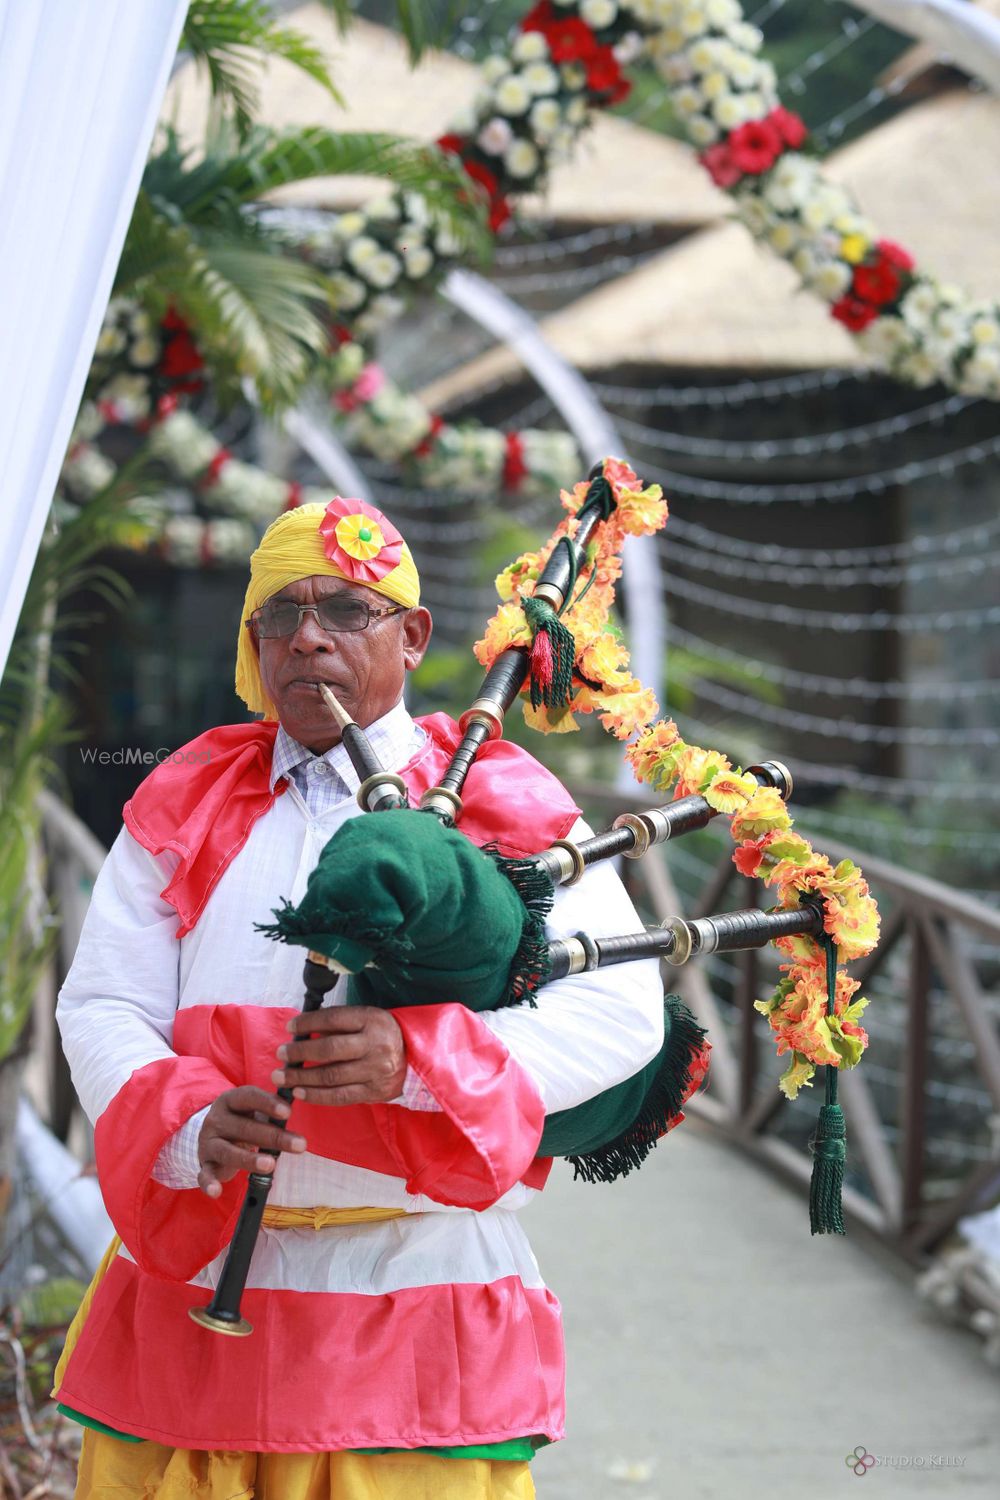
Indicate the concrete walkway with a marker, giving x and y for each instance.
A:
(716, 1349)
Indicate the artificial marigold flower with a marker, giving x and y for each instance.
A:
(641, 512)
(853, 313)
(749, 856)
(604, 661)
(694, 765)
(624, 712)
(508, 627)
(755, 146)
(765, 811)
(653, 757)
(729, 791)
(620, 475)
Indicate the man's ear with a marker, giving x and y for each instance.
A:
(417, 628)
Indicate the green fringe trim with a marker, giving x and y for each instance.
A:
(628, 1151)
(530, 965)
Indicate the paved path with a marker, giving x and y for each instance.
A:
(723, 1352)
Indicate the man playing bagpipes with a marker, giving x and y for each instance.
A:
(404, 1342)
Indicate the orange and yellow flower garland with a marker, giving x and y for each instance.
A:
(758, 818)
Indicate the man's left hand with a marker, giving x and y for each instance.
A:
(355, 1054)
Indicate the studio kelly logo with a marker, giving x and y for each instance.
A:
(860, 1461)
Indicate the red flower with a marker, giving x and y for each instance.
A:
(719, 164)
(215, 468)
(895, 255)
(853, 313)
(482, 175)
(755, 146)
(540, 17)
(499, 213)
(788, 125)
(570, 41)
(454, 143)
(604, 74)
(180, 357)
(427, 443)
(878, 282)
(514, 466)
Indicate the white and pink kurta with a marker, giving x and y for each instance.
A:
(431, 1329)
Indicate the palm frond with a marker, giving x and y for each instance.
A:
(228, 38)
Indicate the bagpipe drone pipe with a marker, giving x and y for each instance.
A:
(415, 913)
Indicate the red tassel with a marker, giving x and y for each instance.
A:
(541, 660)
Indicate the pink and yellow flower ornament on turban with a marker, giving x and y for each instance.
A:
(347, 539)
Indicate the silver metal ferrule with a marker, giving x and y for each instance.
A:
(681, 951)
(570, 861)
(484, 711)
(639, 829)
(658, 823)
(367, 792)
(439, 800)
(705, 935)
(577, 955)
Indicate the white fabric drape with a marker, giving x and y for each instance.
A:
(80, 89)
(966, 33)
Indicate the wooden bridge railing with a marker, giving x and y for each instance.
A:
(927, 957)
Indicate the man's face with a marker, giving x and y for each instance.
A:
(364, 668)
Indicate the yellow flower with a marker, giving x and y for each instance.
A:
(694, 765)
(627, 711)
(798, 1073)
(508, 627)
(854, 248)
(641, 512)
(653, 757)
(605, 660)
(511, 583)
(360, 537)
(728, 792)
(550, 720)
(764, 811)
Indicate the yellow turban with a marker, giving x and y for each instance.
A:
(345, 539)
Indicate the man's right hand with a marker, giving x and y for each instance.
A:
(232, 1136)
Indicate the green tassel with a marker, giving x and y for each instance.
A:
(553, 650)
(531, 964)
(829, 1143)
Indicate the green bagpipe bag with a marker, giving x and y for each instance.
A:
(415, 913)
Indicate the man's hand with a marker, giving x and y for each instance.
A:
(232, 1136)
(356, 1056)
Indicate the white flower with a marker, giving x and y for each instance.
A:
(728, 111)
(702, 131)
(110, 341)
(464, 120)
(349, 360)
(790, 182)
(348, 292)
(382, 270)
(563, 141)
(145, 352)
(688, 100)
(752, 212)
(693, 23)
(917, 369)
(347, 226)
(512, 96)
(540, 78)
(446, 243)
(714, 85)
(919, 305)
(417, 260)
(521, 159)
(743, 69)
(495, 68)
(495, 136)
(629, 49)
(984, 330)
(783, 237)
(832, 280)
(529, 46)
(952, 325)
(805, 262)
(743, 35)
(598, 13)
(753, 105)
(388, 308)
(883, 338)
(383, 210)
(545, 117)
(416, 208)
(577, 111)
(574, 75)
(704, 55)
(817, 213)
(723, 13)
(140, 323)
(980, 374)
(361, 250)
(768, 80)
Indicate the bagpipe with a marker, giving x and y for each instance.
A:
(413, 912)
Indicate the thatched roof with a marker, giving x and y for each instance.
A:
(930, 178)
(621, 172)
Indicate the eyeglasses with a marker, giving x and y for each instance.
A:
(340, 613)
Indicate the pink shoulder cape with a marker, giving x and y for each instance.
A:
(203, 803)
